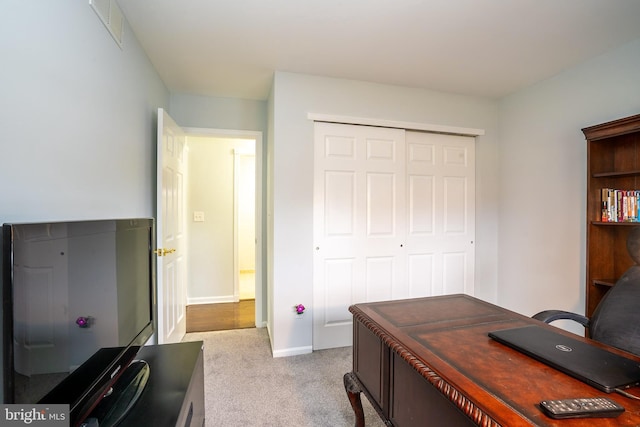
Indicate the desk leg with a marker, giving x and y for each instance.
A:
(353, 390)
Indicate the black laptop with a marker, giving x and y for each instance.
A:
(595, 366)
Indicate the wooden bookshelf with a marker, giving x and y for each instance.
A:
(613, 161)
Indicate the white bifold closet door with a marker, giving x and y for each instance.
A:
(393, 219)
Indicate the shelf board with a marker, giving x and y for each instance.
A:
(605, 282)
(616, 174)
(624, 224)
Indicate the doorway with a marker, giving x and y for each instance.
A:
(223, 216)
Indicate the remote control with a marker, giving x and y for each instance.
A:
(592, 407)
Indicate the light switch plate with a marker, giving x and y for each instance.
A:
(198, 216)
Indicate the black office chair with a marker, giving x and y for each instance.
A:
(616, 319)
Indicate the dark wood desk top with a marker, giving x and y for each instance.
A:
(445, 339)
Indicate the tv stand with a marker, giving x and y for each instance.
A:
(123, 395)
(169, 382)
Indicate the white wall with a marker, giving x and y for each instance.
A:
(219, 113)
(543, 178)
(77, 115)
(291, 181)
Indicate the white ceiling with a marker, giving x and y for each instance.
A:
(489, 48)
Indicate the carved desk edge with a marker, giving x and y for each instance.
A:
(450, 392)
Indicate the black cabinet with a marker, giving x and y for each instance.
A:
(174, 394)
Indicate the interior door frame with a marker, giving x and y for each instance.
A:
(260, 319)
(238, 154)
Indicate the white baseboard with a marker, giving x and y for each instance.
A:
(210, 300)
(294, 351)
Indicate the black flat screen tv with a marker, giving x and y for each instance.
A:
(78, 304)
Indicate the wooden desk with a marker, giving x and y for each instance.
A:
(429, 361)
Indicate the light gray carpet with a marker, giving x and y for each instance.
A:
(246, 386)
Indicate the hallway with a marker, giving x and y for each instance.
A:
(224, 316)
(221, 316)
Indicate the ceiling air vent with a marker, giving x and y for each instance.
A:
(111, 16)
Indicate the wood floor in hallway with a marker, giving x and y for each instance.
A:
(221, 316)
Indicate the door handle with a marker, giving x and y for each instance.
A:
(163, 251)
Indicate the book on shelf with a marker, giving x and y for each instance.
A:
(619, 205)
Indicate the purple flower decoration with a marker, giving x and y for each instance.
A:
(82, 322)
(299, 308)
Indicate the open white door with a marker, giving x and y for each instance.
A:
(170, 230)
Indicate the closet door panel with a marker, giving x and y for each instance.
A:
(441, 224)
(359, 214)
(397, 208)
